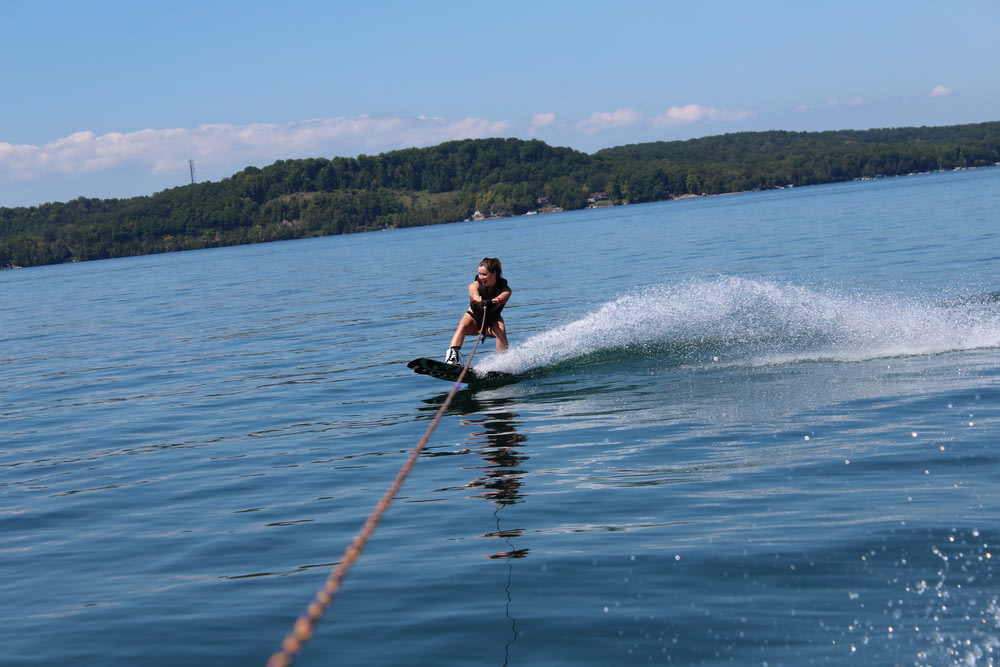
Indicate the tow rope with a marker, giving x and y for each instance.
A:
(305, 625)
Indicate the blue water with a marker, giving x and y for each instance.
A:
(757, 429)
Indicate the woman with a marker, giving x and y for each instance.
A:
(488, 294)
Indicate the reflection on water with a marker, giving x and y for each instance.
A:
(497, 440)
(501, 478)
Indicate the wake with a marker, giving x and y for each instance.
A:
(748, 322)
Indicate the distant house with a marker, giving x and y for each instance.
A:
(596, 197)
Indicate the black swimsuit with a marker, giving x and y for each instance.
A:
(493, 312)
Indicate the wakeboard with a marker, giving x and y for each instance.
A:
(450, 372)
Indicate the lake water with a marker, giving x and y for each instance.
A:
(757, 429)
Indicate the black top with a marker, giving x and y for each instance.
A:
(487, 293)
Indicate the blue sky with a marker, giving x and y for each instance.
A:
(112, 98)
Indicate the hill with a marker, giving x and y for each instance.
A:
(449, 182)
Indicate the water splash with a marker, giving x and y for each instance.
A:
(739, 321)
(961, 613)
(947, 611)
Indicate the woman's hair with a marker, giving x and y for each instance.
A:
(492, 265)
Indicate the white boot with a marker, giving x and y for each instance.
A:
(453, 357)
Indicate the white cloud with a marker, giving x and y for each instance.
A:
(169, 150)
(833, 104)
(940, 91)
(601, 121)
(224, 148)
(427, 134)
(690, 113)
(540, 120)
(852, 102)
(696, 113)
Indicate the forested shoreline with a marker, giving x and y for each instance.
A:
(454, 180)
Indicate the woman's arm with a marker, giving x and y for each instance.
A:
(502, 297)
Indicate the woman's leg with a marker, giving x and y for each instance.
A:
(466, 327)
(500, 331)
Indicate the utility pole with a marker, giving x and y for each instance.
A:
(191, 167)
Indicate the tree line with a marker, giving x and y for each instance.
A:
(448, 182)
